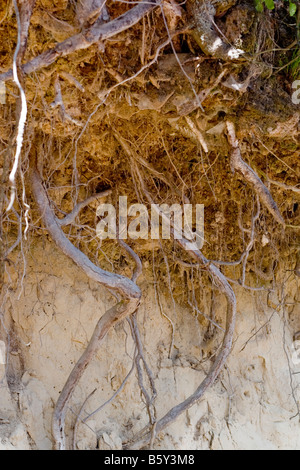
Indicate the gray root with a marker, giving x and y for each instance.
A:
(238, 164)
(87, 11)
(25, 11)
(128, 290)
(70, 218)
(202, 13)
(138, 342)
(96, 33)
(219, 362)
(223, 285)
(59, 102)
(297, 267)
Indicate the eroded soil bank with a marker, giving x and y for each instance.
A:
(250, 407)
(166, 104)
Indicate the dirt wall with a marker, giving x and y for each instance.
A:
(251, 406)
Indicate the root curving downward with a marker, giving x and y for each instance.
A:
(121, 285)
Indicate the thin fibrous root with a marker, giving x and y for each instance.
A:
(239, 165)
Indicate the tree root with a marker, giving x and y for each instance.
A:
(87, 11)
(135, 333)
(96, 33)
(121, 285)
(25, 13)
(202, 13)
(223, 285)
(238, 164)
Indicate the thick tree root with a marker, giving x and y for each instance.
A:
(128, 290)
(238, 164)
(145, 437)
(223, 285)
(202, 14)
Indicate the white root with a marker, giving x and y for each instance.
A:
(22, 118)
